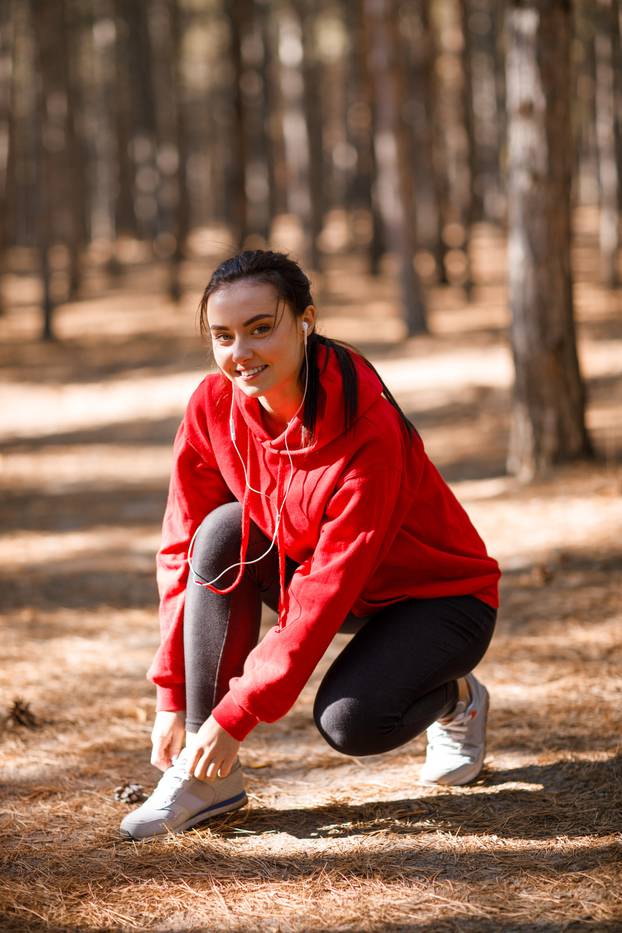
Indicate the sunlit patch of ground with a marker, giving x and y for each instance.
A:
(327, 842)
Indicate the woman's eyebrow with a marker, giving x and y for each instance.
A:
(251, 320)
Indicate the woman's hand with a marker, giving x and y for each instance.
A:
(212, 751)
(167, 737)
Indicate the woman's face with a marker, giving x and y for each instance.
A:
(258, 343)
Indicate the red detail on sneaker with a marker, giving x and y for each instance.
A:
(473, 714)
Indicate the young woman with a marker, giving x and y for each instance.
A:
(298, 482)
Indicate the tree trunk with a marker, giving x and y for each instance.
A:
(273, 101)
(616, 48)
(416, 27)
(98, 93)
(272, 138)
(297, 147)
(123, 195)
(23, 152)
(238, 208)
(45, 20)
(256, 97)
(452, 128)
(144, 143)
(76, 190)
(496, 197)
(469, 209)
(584, 110)
(181, 222)
(434, 142)
(361, 122)
(548, 419)
(7, 132)
(395, 187)
(608, 169)
(311, 78)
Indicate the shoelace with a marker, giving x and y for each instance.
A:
(169, 783)
(451, 734)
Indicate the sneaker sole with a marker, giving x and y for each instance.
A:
(450, 780)
(465, 776)
(223, 806)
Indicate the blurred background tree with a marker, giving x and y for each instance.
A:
(548, 422)
(129, 126)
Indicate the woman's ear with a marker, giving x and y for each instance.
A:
(308, 319)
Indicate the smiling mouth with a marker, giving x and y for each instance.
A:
(247, 374)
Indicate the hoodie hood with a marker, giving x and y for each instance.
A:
(330, 411)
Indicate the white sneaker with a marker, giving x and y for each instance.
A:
(181, 801)
(456, 749)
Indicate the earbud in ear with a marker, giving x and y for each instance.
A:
(305, 326)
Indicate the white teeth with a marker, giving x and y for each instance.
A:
(249, 372)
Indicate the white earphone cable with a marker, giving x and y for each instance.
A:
(279, 511)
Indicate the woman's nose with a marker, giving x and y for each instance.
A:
(240, 351)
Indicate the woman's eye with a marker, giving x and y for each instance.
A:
(260, 331)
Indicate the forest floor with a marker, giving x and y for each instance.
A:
(328, 842)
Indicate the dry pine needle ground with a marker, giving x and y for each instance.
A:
(328, 842)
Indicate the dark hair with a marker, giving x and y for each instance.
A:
(294, 288)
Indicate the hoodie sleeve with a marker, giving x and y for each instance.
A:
(196, 488)
(360, 522)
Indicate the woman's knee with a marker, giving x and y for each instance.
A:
(347, 727)
(218, 538)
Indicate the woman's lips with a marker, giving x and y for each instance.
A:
(246, 375)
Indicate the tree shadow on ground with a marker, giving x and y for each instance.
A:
(80, 589)
(465, 923)
(570, 798)
(88, 506)
(567, 798)
(138, 432)
(119, 576)
(202, 853)
(102, 357)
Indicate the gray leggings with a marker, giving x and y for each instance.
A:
(394, 677)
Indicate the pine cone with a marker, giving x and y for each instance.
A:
(130, 793)
(20, 714)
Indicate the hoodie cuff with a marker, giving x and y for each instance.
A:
(171, 698)
(233, 718)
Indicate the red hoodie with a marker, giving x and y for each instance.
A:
(368, 518)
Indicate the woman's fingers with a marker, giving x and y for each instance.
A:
(205, 767)
(211, 772)
(160, 757)
(194, 758)
(226, 766)
(210, 768)
(198, 762)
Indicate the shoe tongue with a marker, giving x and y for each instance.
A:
(182, 758)
(460, 709)
(172, 778)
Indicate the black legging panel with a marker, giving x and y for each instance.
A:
(220, 631)
(398, 674)
(394, 677)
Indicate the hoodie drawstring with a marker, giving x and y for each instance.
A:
(243, 548)
(280, 546)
